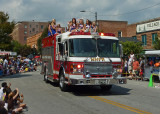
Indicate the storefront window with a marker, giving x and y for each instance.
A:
(119, 33)
(144, 40)
(154, 35)
(134, 37)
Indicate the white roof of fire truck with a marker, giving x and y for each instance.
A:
(72, 35)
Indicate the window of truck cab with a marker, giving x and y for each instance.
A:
(108, 48)
(82, 47)
(90, 47)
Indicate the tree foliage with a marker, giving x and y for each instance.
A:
(6, 29)
(39, 41)
(129, 46)
(23, 50)
(156, 44)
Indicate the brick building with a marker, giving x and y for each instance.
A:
(145, 31)
(32, 40)
(25, 29)
(119, 28)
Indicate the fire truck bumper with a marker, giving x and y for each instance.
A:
(98, 81)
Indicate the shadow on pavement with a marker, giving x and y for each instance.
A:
(97, 91)
(17, 75)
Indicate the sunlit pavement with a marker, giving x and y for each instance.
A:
(42, 98)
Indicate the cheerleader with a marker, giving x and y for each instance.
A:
(87, 25)
(93, 28)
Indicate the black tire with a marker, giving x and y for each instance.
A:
(45, 77)
(63, 86)
(106, 87)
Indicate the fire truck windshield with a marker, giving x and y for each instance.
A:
(87, 47)
(82, 47)
(108, 48)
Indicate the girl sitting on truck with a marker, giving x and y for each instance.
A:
(87, 25)
(59, 29)
(52, 27)
(81, 25)
(73, 27)
(93, 28)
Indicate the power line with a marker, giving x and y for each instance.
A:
(133, 11)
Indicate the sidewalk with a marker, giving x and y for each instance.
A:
(142, 83)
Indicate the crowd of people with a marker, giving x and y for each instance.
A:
(11, 102)
(13, 65)
(132, 67)
(73, 26)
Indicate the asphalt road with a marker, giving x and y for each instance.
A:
(41, 98)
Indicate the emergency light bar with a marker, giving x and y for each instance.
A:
(106, 34)
(88, 33)
(80, 33)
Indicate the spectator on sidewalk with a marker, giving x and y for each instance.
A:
(135, 68)
(130, 66)
(126, 66)
(151, 63)
(132, 55)
(141, 66)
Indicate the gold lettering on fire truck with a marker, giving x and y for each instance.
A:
(97, 59)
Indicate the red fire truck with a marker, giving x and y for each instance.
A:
(80, 58)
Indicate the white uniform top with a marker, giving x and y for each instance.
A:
(129, 61)
(132, 56)
(1, 93)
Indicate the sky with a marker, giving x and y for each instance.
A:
(64, 10)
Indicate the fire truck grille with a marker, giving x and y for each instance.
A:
(97, 69)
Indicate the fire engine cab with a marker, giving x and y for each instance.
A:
(80, 58)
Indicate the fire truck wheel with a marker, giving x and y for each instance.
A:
(62, 84)
(45, 77)
(106, 87)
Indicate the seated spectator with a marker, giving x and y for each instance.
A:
(59, 29)
(2, 108)
(87, 25)
(14, 101)
(5, 89)
(1, 60)
(1, 69)
(93, 28)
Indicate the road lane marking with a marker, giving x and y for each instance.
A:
(120, 105)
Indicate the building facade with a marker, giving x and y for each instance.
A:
(32, 40)
(119, 28)
(25, 29)
(145, 31)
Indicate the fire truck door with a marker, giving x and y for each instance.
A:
(50, 53)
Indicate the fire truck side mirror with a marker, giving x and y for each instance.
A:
(121, 50)
(61, 48)
(64, 52)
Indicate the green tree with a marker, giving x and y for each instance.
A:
(23, 50)
(16, 46)
(6, 29)
(156, 44)
(129, 46)
(39, 41)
